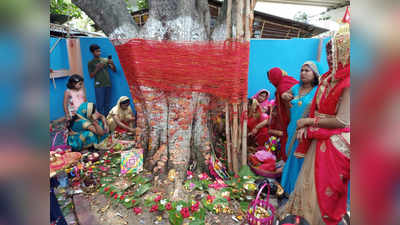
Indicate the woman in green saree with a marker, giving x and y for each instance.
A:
(88, 128)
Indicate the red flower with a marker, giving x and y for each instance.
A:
(185, 212)
(195, 207)
(116, 196)
(108, 161)
(111, 193)
(102, 168)
(236, 176)
(137, 210)
(106, 189)
(203, 176)
(158, 198)
(189, 173)
(154, 208)
(111, 150)
(218, 184)
(133, 201)
(168, 206)
(122, 197)
(227, 198)
(106, 154)
(210, 198)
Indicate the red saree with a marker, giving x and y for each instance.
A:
(332, 163)
(282, 83)
(262, 135)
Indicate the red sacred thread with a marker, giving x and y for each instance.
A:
(216, 68)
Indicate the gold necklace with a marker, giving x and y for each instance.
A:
(299, 103)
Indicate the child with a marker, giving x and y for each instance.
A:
(102, 83)
(74, 96)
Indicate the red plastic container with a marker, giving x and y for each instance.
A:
(265, 173)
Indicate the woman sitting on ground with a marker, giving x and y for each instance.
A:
(88, 127)
(258, 117)
(121, 118)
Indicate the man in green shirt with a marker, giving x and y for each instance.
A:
(102, 83)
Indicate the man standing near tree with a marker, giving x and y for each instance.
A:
(102, 83)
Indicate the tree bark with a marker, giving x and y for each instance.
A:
(111, 15)
(235, 150)
(244, 134)
(239, 20)
(174, 129)
(248, 25)
(229, 19)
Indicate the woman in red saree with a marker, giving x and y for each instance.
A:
(282, 82)
(321, 190)
(258, 117)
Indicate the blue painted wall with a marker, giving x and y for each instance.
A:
(120, 86)
(264, 54)
(286, 54)
(59, 55)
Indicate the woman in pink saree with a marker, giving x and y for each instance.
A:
(321, 190)
(259, 117)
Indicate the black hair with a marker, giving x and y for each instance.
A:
(249, 102)
(316, 77)
(265, 91)
(125, 101)
(94, 108)
(316, 80)
(94, 47)
(74, 79)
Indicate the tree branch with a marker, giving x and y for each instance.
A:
(112, 16)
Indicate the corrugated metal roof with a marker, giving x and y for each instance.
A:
(331, 4)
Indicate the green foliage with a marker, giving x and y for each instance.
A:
(142, 189)
(142, 4)
(197, 222)
(245, 171)
(140, 180)
(199, 216)
(301, 17)
(175, 217)
(221, 201)
(129, 204)
(107, 180)
(244, 205)
(208, 206)
(64, 8)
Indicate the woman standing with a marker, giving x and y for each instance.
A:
(321, 190)
(282, 83)
(300, 98)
